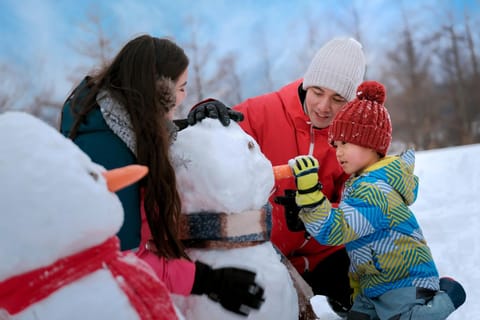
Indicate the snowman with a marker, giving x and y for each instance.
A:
(60, 257)
(224, 181)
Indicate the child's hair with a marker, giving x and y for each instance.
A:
(131, 79)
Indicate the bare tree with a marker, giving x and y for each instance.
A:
(452, 55)
(46, 108)
(474, 80)
(99, 47)
(12, 88)
(96, 45)
(17, 94)
(471, 47)
(199, 55)
(351, 21)
(265, 68)
(411, 93)
(457, 57)
(226, 83)
(210, 74)
(313, 42)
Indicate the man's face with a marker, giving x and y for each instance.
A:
(322, 105)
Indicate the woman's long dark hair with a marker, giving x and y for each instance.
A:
(131, 79)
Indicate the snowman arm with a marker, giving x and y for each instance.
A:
(234, 288)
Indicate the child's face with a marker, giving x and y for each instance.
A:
(354, 158)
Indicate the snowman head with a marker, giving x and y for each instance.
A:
(220, 169)
(54, 200)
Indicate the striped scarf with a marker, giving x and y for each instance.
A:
(226, 230)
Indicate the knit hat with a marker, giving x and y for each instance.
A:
(364, 121)
(339, 66)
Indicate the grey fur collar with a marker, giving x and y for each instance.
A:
(117, 119)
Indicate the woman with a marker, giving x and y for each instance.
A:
(121, 116)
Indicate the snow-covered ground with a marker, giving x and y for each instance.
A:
(448, 209)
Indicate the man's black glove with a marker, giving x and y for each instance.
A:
(181, 123)
(291, 210)
(235, 289)
(215, 109)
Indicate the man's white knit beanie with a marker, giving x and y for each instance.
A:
(339, 66)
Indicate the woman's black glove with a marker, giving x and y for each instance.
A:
(235, 289)
(211, 108)
(291, 210)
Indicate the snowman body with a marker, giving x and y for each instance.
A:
(222, 170)
(54, 204)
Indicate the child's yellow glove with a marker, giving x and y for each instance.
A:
(355, 285)
(305, 170)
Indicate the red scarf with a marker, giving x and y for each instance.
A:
(146, 293)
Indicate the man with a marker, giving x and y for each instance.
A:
(294, 121)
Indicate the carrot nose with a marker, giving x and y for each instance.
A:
(282, 171)
(122, 177)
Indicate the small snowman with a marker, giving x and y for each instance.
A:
(224, 181)
(60, 257)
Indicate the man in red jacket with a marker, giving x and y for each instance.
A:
(294, 121)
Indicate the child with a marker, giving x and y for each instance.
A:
(392, 269)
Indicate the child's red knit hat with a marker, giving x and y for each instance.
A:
(364, 121)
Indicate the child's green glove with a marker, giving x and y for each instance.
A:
(305, 170)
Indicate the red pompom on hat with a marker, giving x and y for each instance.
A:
(364, 121)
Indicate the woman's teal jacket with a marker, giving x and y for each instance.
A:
(104, 147)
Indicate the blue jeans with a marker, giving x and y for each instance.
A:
(401, 304)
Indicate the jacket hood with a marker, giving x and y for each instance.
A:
(294, 100)
(397, 171)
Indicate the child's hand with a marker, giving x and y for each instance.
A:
(305, 170)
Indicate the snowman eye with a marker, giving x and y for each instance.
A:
(251, 145)
(94, 175)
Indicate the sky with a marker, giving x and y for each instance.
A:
(447, 207)
(38, 37)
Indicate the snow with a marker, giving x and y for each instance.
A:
(448, 209)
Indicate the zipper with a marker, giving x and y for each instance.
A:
(312, 140)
